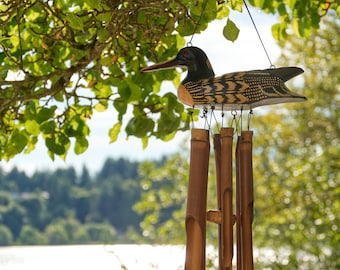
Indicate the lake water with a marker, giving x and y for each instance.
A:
(90, 257)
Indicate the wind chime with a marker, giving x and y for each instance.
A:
(230, 92)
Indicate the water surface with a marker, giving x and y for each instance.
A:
(92, 257)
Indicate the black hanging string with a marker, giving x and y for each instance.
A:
(234, 120)
(213, 115)
(258, 34)
(250, 114)
(191, 112)
(222, 115)
(189, 43)
(205, 117)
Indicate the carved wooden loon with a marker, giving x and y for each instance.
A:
(231, 91)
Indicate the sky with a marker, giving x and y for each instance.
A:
(245, 53)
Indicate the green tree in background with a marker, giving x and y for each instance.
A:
(31, 236)
(6, 237)
(63, 60)
(61, 207)
(163, 201)
(297, 162)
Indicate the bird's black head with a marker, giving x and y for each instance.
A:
(197, 62)
(194, 59)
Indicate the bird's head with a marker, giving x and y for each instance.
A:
(193, 58)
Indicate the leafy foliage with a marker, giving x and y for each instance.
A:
(297, 165)
(63, 60)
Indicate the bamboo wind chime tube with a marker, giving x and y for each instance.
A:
(227, 196)
(244, 201)
(217, 150)
(195, 221)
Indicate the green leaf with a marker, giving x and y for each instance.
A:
(58, 143)
(14, 41)
(81, 145)
(230, 31)
(114, 132)
(75, 21)
(291, 3)
(32, 15)
(168, 123)
(76, 127)
(124, 91)
(32, 127)
(279, 31)
(236, 5)
(48, 127)
(31, 110)
(145, 141)
(282, 9)
(120, 105)
(106, 61)
(45, 114)
(259, 3)
(171, 101)
(210, 11)
(19, 141)
(141, 17)
(139, 126)
(135, 90)
(59, 96)
(100, 107)
(222, 11)
(301, 27)
(94, 4)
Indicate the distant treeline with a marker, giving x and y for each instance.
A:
(61, 207)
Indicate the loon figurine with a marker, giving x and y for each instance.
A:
(231, 91)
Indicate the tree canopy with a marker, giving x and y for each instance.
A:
(63, 60)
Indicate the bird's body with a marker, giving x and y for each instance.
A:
(231, 91)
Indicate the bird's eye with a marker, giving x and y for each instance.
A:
(186, 54)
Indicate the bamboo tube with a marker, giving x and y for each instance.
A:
(227, 196)
(197, 200)
(247, 198)
(217, 150)
(239, 265)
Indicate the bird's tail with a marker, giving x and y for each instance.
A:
(285, 73)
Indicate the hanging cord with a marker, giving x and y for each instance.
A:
(241, 118)
(250, 114)
(191, 112)
(189, 43)
(205, 116)
(235, 121)
(222, 116)
(213, 115)
(258, 34)
(210, 120)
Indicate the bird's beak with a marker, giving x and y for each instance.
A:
(164, 65)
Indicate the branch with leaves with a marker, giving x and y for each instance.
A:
(63, 60)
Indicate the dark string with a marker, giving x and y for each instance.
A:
(213, 114)
(249, 118)
(234, 120)
(222, 115)
(191, 112)
(205, 116)
(258, 34)
(241, 118)
(198, 22)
